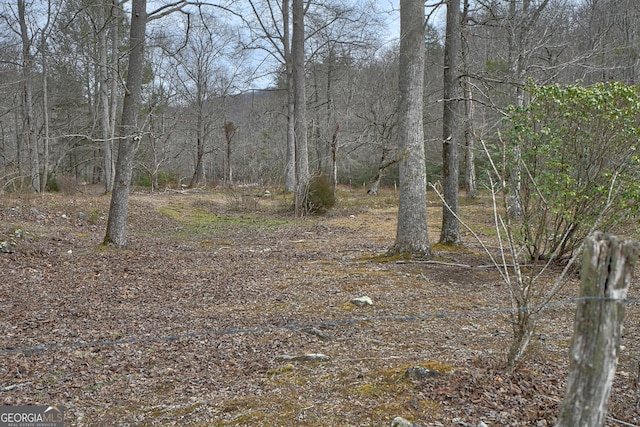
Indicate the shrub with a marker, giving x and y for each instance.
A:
(577, 147)
(52, 184)
(320, 195)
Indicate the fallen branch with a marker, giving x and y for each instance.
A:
(12, 386)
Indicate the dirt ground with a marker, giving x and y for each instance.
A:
(205, 319)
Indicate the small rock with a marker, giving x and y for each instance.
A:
(320, 227)
(267, 193)
(420, 373)
(82, 216)
(311, 357)
(362, 301)
(64, 216)
(460, 421)
(317, 332)
(36, 212)
(482, 424)
(6, 247)
(401, 422)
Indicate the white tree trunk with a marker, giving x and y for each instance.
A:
(290, 160)
(300, 125)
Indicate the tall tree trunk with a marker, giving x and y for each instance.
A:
(331, 121)
(28, 124)
(197, 177)
(45, 116)
(520, 26)
(450, 233)
(115, 78)
(198, 172)
(103, 104)
(412, 236)
(334, 157)
(300, 115)
(469, 135)
(117, 223)
(290, 161)
(229, 132)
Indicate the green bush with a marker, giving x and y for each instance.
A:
(143, 180)
(320, 195)
(577, 148)
(166, 179)
(52, 184)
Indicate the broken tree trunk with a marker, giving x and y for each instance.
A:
(607, 268)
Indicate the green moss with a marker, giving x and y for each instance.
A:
(198, 221)
(175, 412)
(281, 370)
(443, 247)
(394, 394)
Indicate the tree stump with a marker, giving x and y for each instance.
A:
(607, 269)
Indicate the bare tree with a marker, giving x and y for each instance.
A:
(107, 24)
(117, 223)
(468, 128)
(412, 236)
(450, 233)
(271, 29)
(300, 112)
(229, 132)
(28, 118)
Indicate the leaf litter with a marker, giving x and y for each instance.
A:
(210, 317)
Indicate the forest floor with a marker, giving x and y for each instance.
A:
(203, 320)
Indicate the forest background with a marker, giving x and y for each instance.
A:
(214, 94)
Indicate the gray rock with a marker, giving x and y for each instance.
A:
(82, 216)
(36, 212)
(401, 422)
(7, 247)
(420, 373)
(362, 301)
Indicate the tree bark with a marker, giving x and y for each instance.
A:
(469, 136)
(45, 116)
(28, 125)
(117, 223)
(450, 232)
(115, 78)
(300, 125)
(607, 270)
(103, 104)
(229, 132)
(103, 98)
(290, 161)
(412, 236)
